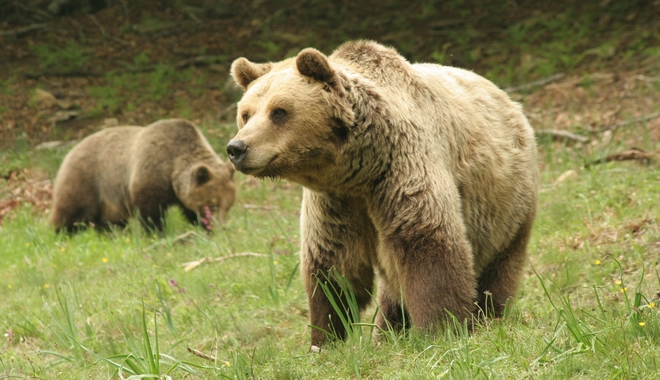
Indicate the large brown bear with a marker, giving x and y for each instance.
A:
(421, 175)
(117, 171)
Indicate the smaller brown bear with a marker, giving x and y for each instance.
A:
(120, 171)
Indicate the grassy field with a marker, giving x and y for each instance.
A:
(123, 305)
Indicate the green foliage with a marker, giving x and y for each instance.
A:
(127, 90)
(7, 86)
(71, 57)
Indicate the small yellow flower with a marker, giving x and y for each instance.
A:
(169, 253)
(228, 364)
(274, 262)
(9, 286)
(46, 286)
(153, 265)
(27, 244)
(651, 305)
(105, 259)
(597, 262)
(128, 240)
(62, 249)
(618, 282)
(623, 290)
(642, 324)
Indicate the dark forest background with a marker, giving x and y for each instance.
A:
(68, 66)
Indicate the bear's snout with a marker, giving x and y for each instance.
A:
(237, 151)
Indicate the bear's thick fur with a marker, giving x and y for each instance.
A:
(114, 172)
(419, 175)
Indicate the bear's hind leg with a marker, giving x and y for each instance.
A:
(72, 219)
(499, 281)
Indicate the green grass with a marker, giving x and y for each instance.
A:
(120, 304)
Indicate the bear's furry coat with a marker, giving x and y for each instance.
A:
(116, 171)
(419, 175)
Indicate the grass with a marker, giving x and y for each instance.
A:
(120, 305)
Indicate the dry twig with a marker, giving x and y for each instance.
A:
(624, 123)
(194, 264)
(560, 134)
(633, 154)
(201, 354)
(22, 30)
(540, 82)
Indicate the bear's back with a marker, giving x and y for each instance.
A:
(466, 123)
(100, 156)
(169, 139)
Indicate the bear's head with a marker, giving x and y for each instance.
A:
(293, 118)
(207, 189)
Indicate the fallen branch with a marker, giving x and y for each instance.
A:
(202, 59)
(259, 207)
(22, 30)
(98, 24)
(633, 154)
(229, 109)
(560, 134)
(201, 354)
(540, 82)
(624, 123)
(205, 59)
(63, 74)
(194, 264)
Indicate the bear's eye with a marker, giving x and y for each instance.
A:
(278, 114)
(245, 116)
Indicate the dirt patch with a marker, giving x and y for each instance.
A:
(25, 187)
(602, 106)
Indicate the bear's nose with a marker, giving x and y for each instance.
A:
(237, 150)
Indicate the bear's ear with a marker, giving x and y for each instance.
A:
(202, 175)
(245, 72)
(314, 64)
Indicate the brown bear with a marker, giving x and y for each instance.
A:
(120, 170)
(419, 175)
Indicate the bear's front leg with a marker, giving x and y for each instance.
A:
(336, 235)
(424, 259)
(150, 203)
(437, 281)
